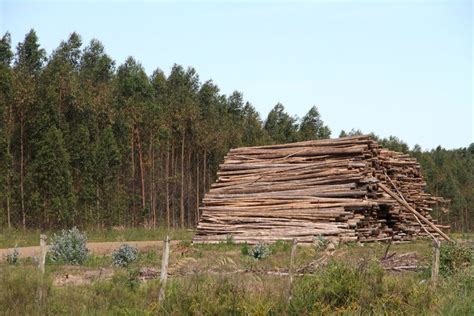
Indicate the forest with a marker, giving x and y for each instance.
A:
(86, 142)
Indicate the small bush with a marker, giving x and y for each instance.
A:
(69, 247)
(454, 257)
(124, 255)
(245, 249)
(259, 251)
(13, 257)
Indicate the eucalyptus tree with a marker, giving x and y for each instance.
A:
(133, 96)
(312, 126)
(96, 116)
(29, 60)
(160, 138)
(254, 134)
(280, 126)
(6, 125)
(181, 111)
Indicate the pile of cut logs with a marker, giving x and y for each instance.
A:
(321, 187)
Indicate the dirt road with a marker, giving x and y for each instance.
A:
(96, 248)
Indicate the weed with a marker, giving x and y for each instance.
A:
(245, 249)
(280, 246)
(124, 255)
(259, 251)
(455, 257)
(184, 244)
(229, 240)
(13, 257)
(320, 243)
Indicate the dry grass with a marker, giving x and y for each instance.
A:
(204, 281)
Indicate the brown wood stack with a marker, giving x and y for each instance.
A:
(305, 189)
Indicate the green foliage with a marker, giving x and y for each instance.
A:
(455, 297)
(245, 249)
(359, 289)
(124, 255)
(279, 246)
(341, 287)
(455, 257)
(69, 247)
(30, 56)
(18, 289)
(259, 251)
(52, 178)
(280, 126)
(312, 127)
(13, 257)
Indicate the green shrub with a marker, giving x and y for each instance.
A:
(124, 255)
(13, 257)
(454, 257)
(245, 249)
(259, 251)
(69, 247)
(339, 286)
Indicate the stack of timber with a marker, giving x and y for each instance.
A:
(306, 189)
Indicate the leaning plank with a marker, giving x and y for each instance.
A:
(411, 209)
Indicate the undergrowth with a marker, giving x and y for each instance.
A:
(338, 288)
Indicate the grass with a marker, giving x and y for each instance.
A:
(11, 237)
(339, 288)
(202, 282)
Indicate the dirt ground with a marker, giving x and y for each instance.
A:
(96, 248)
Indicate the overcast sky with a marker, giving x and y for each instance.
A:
(399, 68)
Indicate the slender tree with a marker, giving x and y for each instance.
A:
(29, 61)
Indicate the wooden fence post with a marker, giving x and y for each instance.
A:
(291, 270)
(164, 269)
(42, 258)
(435, 265)
(41, 268)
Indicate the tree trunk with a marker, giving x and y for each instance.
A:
(151, 157)
(167, 187)
(22, 162)
(9, 168)
(97, 201)
(8, 207)
(197, 191)
(204, 168)
(142, 171)
(132, 153)
(189, 189)
(173, 186)
(181, 204)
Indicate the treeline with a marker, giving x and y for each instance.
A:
(85, 142)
